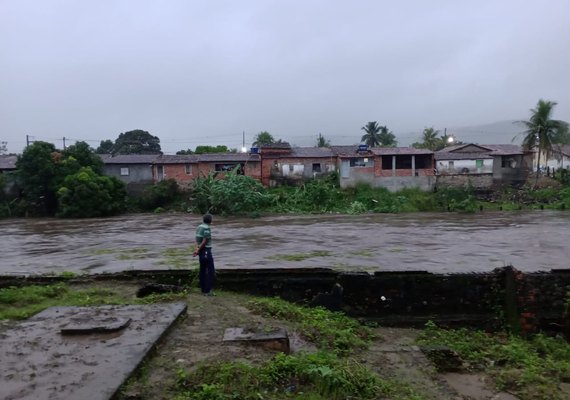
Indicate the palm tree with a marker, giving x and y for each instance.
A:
(542, 132)
(387, 138)
(371, 138)
(430, 139)
(263, 138)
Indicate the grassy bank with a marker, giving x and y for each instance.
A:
(337, 364)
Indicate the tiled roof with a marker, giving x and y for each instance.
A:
(380, 151)
(129, 158)
(281, 145)
(487, 151)
(350, 150)
(312, 152)
(564, 149)
(228, 157)
(8, 162)
(390, 151)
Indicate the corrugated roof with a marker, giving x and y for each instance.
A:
(463, 156)
(8, 162)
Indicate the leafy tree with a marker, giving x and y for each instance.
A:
(3, 147)
(86, 194)
(105, 147)
(322, 142)
(387, 138)
(38, 177)
(137, 142)
(371, 137)
(184, 152)
(263, 138)
(211, 149)
(542, 132)
(85, 157)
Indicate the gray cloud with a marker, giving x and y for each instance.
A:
(196, 72)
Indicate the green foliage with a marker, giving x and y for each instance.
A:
(322, 141)
(317, 376)
(161, 194)
(86, 194)
(136, 142)
(232, 194)
(455, 199)
(38, 177)
(531, 369)
(105, 147)
(85, 156)
(330, 330)
(263, 138)
(317, 195)
(211, 149)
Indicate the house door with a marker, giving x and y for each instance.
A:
(159, 173)
(345, 169)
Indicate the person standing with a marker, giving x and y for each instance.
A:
(204, 253)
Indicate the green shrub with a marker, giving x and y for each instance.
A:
(160, 195)
(232, 194)
(86, 194)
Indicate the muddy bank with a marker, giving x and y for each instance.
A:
(434, 242)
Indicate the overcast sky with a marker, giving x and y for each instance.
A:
(204, 72)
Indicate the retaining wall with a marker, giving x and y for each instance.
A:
(525, 302)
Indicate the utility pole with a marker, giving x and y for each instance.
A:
(64, 143)
(243, 149)
(27, 140)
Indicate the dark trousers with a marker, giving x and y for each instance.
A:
(207, 272)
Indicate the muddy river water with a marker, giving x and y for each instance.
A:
(435, 242)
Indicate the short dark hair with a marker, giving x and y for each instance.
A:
(207, 218)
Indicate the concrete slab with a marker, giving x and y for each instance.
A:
(274, 339)
(39, 362)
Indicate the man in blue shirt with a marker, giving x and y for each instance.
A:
(204, 253)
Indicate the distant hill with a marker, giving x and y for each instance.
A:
(501, 132)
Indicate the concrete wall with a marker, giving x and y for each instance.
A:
(464, 166)
(140, 175)
(527, 303)
(477, 181)
(294, 169)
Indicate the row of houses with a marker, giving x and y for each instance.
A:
(481, 166)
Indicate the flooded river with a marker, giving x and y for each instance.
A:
(442, 242)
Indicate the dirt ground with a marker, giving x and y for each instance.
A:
(197, 338)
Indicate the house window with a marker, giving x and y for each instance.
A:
(316, 167)
(229, 167)
(479, 163)
(291, 168)
(188, 169)
(361, 162)
(124, 171)
(451, 165)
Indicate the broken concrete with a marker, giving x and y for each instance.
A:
(275, 339)
(40, 362)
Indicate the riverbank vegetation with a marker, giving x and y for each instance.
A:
(340, 362)
(70, 184)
